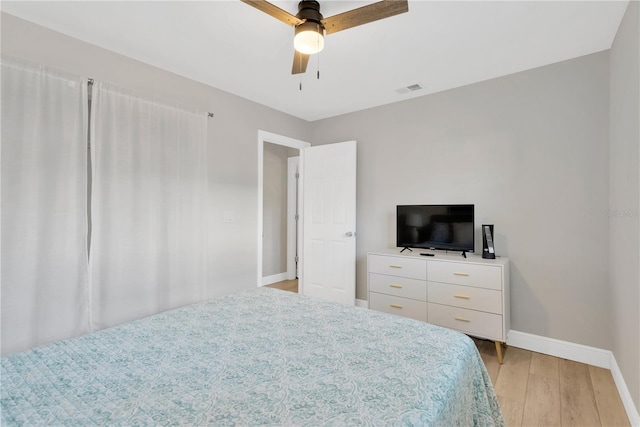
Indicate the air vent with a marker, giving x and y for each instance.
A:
(410, 88)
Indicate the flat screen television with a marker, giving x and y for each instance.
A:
(444, 227)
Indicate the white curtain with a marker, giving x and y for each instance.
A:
(44, 206)
(149, 193)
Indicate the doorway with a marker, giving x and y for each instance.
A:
(274, 258)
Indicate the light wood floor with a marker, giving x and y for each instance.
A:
(534, 389)
(539, 390)
(287, 285)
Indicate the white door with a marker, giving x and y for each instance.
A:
(329, 222)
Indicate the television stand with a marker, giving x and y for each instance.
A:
(464, 254)
(405, 248)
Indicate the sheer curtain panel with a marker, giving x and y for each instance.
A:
(149, 192)
(44, 206)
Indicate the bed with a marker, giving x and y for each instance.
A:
(257, 357)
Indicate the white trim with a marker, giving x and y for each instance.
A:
(274, 278)
(623, 391)
(362, 303)
(264, 136)
(292, 198)
(564, 349)
(301, 222)
(579, 353)
(274, 138)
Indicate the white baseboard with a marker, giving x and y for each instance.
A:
(564, 349)
(362, 303)
(579, 353)
(275, 278)
(627, 400)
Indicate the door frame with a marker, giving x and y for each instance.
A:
(293, 208)
(274, 138)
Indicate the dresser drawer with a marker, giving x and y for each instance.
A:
(481, 276)
(398, 286)
(412, 268)
(480, 299)
(476, 323)
(397, 305)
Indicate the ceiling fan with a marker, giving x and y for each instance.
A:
(311, 26)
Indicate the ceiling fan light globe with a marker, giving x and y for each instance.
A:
(308, 39)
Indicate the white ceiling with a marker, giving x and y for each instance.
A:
(236, 48)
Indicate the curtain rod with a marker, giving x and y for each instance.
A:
(90, 82)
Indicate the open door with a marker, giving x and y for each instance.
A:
(329, 222)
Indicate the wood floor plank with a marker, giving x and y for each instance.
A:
(542, 405)
(577, 399)
(285, 285)
(511, 411)
(542, 364)
(609, 404)
(514, 374)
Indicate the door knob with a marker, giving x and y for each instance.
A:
(350, 233)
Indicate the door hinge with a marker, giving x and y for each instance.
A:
(297, 217)
(297, 175)
(296, 258)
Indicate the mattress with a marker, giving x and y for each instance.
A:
(257, 357)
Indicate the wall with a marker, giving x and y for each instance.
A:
(274, 212)
(232, 136)
(530, 151)
(624, 198)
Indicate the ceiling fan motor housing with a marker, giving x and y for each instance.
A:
(309, 10)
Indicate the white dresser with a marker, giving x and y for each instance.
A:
(470, 294)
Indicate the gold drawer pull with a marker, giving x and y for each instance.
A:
(462, 319)
(395, 266)
(395, 306)
(393, 285)
(457, 273)
(462, 296)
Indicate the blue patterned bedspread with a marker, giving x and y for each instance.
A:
(259, 357)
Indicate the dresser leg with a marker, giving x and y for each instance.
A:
(499, 351)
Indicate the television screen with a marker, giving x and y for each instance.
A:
(446, 227)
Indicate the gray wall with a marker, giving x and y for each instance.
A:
(274, 211)
(530, 150)
(232, 136)
(624, 187)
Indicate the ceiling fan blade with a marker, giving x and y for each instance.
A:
(300, 61)
(274, 11)
(364, 15)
